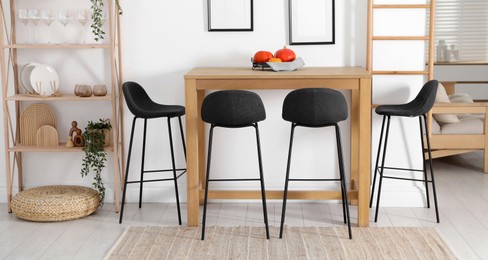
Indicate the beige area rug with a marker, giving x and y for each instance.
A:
(154, 242)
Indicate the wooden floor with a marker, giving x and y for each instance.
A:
(463, 201)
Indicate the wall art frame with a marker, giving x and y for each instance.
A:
(311, 22)
(230, 15)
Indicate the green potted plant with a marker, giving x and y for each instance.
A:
(95, 138)
(97, 18)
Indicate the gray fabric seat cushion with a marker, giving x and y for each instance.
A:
(468, 125)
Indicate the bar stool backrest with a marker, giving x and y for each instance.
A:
(315, 107)
(233, 108)
(137, 99)
(424, 101)
(420, 105)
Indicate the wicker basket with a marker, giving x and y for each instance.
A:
(55, 203)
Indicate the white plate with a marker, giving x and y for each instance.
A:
(25, 78)
(44, 80)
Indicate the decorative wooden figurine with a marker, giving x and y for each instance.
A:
(78, 138)
(70, 142)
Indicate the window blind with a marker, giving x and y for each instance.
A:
(463, 23)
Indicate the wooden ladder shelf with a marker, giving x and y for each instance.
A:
(429, 38)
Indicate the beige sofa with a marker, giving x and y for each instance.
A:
(458, 125)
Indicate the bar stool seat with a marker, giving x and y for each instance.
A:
(233, 109)
(316, 107)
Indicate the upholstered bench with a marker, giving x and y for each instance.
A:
(459, 125)
(55, 203)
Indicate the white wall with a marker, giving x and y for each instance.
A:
(161, 41)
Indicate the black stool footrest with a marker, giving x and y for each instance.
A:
(165, 170)
(314, 179)
(234, 179)
(405, 179)
(400, 169)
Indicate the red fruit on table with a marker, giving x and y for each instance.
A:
(262, 56)
(285, 54)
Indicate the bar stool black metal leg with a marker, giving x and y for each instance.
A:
(142, 162)
(424, 169)
(287, 180)
(341, 169)
(127, 170)
(345, 201)
(209, 157)
(174, 170)
(432, 172)
(377, 161)
(261, 178)
(382, 168)
(182, 137)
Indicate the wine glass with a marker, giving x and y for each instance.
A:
(64, 19)
(47, 17)
(24, 18)
(104, 18)
(35, 18)
(82, 15)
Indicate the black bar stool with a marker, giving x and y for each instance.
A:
(418, 107)
(316, 107)
(141, 105)
(233, 109)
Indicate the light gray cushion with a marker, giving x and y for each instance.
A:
(460, 98)
(442, 97)
(463, 98)
(436, 128)
(465, 126)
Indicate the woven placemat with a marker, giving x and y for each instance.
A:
(55, 203)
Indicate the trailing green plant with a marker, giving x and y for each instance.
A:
(97, 18)
(95, 155)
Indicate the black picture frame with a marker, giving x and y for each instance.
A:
(230, 15)
(311, 22)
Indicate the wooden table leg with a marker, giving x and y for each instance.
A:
(354, 121)
(191, 105)
(364, 151)
(201, 145)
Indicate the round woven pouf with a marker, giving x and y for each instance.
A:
(55, 203)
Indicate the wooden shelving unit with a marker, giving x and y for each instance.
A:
(12, 97)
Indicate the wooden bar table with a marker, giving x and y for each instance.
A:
(355, 79)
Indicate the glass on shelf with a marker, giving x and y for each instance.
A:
(104, 20)
(47, 17)
(24, 19)
(83, 15)
(64, 18)
(35, 18)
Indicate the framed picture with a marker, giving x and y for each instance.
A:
(311, 22)
(230, 15)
